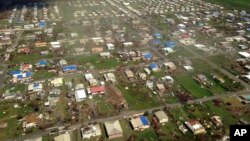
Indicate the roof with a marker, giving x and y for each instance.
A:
(80, 94)
(170, 44)
(34, 139)
(70, 68)
(158, 35)
(157, 42)
(144, 120)
(97, 89)
(148, 55)
(42, 62)
(42, 24)
(16, 72)
(161, 115)
(153, 66)
(63, 137)
(32, 118)
(113, 127)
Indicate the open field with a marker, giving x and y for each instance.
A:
(239, 4)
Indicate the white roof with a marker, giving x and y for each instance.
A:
(80, 94)
(34, 139)
(63, 137)
(161, 115)
(113, 127)
(89, 76)
(245, 54)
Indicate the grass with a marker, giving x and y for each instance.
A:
(31, 58)
(138, 99)
(94, 60)
(226, 116)
(188, 83)
(103, 106)
(239, 4)
(179, 114)
(42, 74)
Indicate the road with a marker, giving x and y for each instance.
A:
(131, 113)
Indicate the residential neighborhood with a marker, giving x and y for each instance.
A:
(123, 70)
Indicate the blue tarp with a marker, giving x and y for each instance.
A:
(42, 24)
(158, 35)
(148, 55)
(170, 44)
(70, 68)
(15, 72)
(144, 120)
(157, 42)
(42, 63)
(153, 66)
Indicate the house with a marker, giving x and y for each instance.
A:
(217, 121)
(97, 90)
(63, 62)
(97, 49)
(129, 73)
(80, 95)
(143, 76)
(158, 35)
(26, 67)
(139, 123)
(63, 137)
(24, 50)
(31, 121)
(92, 130)
(218, 78)
(110, 46)
(244, 54)
(127, 44)
(195, 127)
(168, 79)
(20, 76)
(35, 87)
(113, 129)
(160, 87)
(170, 44)
(34, 139)
(110, 77)
(105, 55)
(148, 56)
(55, 45)
(56, 82)
(69, 69)
(187, 41)
(41, 63)
(188, 68)
(153, 67)
(170, 65)
(161, 116)
(40, 44)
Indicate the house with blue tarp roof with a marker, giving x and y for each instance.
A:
(140, 123)
(70, 68)
(19, 75)
(154, 67)
(158, 35)
(156, 42)
(42, 24)
(148, 56)
(42, 63)
(170, 44)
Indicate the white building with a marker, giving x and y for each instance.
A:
(91, 131)
(161, 116)
(80, 95)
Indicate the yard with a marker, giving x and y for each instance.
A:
(188, 83)
(240, 4)
(138, 98)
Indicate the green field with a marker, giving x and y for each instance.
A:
(139, 99)
(43, 74)
(239, 4)
(188, 83)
